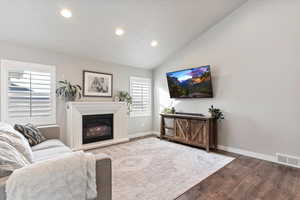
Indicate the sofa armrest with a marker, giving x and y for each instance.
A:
(103, 177)
(2, 188)
(50, 132)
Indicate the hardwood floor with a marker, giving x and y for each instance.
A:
(248, 179)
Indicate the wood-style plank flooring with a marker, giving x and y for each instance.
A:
(248, 179)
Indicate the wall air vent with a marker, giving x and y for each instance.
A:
(288, 160)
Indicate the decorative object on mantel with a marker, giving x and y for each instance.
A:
(216, 113)
(116, 99)
(96, 84)
(125, 97)
(68, 91)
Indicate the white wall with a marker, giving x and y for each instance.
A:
(255, 59)
(70, 68)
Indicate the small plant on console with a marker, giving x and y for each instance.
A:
(216, 113)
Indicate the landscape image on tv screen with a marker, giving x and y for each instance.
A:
(190, 83)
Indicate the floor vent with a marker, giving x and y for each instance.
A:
(288, 160)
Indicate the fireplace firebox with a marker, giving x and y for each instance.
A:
(97, 128)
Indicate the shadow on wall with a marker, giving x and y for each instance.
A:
(165, 101)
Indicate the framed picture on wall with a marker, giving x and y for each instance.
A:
(97, 84)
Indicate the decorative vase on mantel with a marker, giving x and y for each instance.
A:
(70, 98)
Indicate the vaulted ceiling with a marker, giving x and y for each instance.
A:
(90, 32)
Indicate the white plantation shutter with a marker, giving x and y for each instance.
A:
(27, 93)
(140, 91)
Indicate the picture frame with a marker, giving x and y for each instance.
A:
(97, 84)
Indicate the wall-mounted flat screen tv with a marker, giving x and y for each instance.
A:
(190, 83)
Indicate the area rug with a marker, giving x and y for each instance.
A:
(154, 169)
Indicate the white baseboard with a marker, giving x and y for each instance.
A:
(256, 155)
(248, 153)
(142, 134)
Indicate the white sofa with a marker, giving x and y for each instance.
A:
(53, 147)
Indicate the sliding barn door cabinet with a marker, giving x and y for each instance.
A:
(199, 131)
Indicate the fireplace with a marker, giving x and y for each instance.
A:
(97, 128)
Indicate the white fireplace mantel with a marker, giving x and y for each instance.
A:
(75, 111)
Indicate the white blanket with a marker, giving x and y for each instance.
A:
(68, 177)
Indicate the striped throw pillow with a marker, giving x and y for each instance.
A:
(31, 133)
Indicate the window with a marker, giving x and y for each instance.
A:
(27, 93)
(140, 91)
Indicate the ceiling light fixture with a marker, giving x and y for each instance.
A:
(66, 13)
(154, 43)
(119, 32)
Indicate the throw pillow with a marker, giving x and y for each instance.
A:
(9, 135)
(31, 133)
(10, 159)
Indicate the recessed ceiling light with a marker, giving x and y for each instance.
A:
(154, 43)
(66, 13)
(119, 32)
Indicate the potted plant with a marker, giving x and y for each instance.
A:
(216, 113)
(68, 91)
(125, 97)
(167, 111)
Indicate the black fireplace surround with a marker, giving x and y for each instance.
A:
(97, 128)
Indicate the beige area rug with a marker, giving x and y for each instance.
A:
(154, 169)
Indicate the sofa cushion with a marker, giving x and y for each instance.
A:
(48, 144)
(49, 153)
(9, 135)
(10, 159)
(31, 133)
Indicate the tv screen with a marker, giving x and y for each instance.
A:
(190, 83)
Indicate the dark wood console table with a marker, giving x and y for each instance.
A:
(199, 131)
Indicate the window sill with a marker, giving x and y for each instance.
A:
(132, 115)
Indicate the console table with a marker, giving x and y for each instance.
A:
(199, 131)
